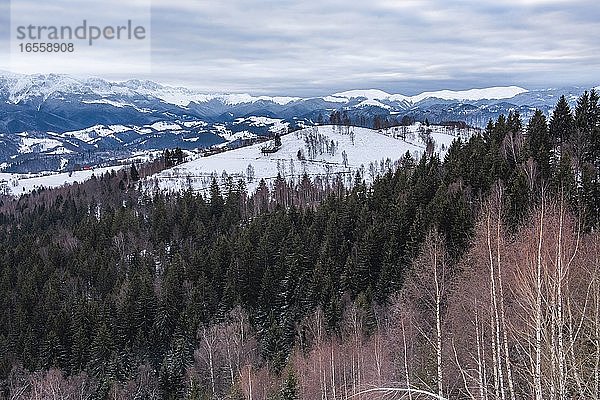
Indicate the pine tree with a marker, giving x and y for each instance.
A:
(518, 199)
(101, 351)
(539, 143)
(289, 390)
(561, 125)
(178, 155)
(589, 197)
(587, 120)
(133, 173)
(499, 130)
(216, 200)
(514, 123)
(80, 346)
(593, 140)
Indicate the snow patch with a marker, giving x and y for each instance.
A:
(375, 103)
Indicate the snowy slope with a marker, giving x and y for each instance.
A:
(35, 145)
(18, 184)
(368, 151)
(442, 136)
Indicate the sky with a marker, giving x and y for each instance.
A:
(317, 47)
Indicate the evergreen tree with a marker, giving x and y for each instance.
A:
(593, 140)
(561, 125)
(133, 173)
(101, 351)
(289, 390)
(514, 123)
(216, 200)
(539, 143)
(518, 199)
(587, 120)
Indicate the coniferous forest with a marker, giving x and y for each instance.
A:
(476, 276)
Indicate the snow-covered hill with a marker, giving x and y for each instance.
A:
(19, 184)
(326, 151)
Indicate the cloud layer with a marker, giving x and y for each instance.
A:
(316, 47)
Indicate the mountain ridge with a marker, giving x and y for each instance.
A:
(20, 85)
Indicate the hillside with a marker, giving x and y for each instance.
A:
(18, 184)
(325, 151)
(109, 291)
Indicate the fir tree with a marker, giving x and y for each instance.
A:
(133, 173)
(289, 389)
(561, 125)
(539, 143)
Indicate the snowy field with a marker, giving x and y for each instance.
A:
(324, 151)
(18, 184)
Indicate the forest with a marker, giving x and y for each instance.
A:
(472, 277)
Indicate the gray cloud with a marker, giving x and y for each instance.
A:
(408, 46)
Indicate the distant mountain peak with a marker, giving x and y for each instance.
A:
(491, 93)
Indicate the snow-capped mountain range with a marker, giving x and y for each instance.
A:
(23, 88)
(61, 122)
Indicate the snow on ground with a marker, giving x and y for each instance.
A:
(114, 104)
(165, 125)
(277, 125)
(18, 184)
(366, 150)
(335, 99)
(442, 136)
(375, 103)
(246, 98)
(59, 151)
(35, 145)
(144, 156)
(89, 135)
(23, 87)
(194, 124)
(183, 96)
(230, 137)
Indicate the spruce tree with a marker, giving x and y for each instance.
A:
(133, 173)
(561, 125)
(539, 143)
(587, 118)
(289, 390)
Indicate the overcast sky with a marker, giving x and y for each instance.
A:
(315, 47)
